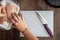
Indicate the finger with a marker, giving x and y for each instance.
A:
(11, 20)
(21, 16)
(14, 17)
(17, 15)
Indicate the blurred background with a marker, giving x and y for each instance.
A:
(14, 34)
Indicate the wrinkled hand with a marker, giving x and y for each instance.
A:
(2, 14)
(18, 22)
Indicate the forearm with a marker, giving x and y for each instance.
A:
(29, 35)
(20, 24)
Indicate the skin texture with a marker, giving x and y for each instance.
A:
(19, 24)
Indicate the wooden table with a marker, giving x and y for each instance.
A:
(13, 34)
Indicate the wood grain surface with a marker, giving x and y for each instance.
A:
(13, 34)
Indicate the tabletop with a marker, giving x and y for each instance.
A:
(13, 34)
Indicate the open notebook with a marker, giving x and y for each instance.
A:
(35, 25)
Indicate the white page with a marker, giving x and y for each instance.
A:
(35, 25)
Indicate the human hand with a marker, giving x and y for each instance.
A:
(18, 22)
(2, 14)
